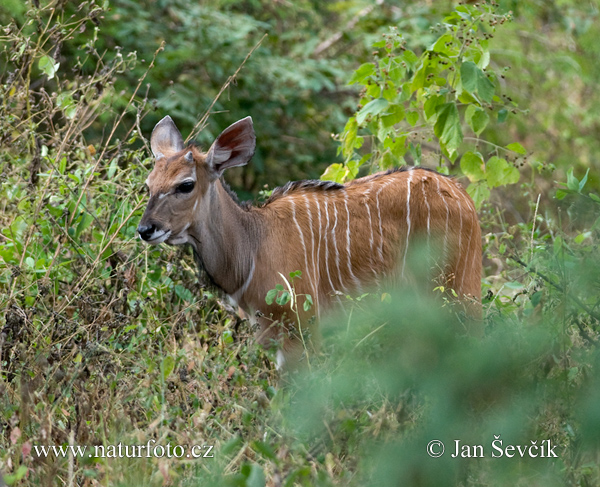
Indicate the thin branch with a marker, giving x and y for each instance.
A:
(202, 123)
(560, 288)
(327, 43)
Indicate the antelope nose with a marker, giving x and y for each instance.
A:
(146, 231)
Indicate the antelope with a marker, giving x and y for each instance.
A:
(344, 238)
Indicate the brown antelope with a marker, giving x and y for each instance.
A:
(344, 238)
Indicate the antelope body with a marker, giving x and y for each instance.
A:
(344, 238)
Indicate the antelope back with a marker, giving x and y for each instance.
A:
(349, 238)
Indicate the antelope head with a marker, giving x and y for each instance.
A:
(183, 178)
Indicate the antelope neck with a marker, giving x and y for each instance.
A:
(225, 237)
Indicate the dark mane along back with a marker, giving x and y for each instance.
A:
(316, 185)
(310, 184)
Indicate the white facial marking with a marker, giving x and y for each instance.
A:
(158, 236)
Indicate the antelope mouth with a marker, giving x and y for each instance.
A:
(158, 237)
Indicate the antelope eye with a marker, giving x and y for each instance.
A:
(186, 187)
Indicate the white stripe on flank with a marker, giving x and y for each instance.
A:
(372, 237)
(408, 222)
(462, 279)
(445, 249)
(459, 250)
(380, 226)
(327, 246)
(301, 236)
(312, 235)
(337, 254)
(428, 208)
(314, 281)
(354, 278)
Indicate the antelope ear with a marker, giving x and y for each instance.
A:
(166, 138)
(234, 147)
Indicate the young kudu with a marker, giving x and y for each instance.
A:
(344, 238)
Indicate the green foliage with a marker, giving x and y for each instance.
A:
(408, 101)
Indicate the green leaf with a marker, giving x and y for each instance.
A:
(48, 66)
(256, 478)
(500, 173)
(502, 114)
(440, 45)
(412, 118)
(167, 366)
(283, 298)
(516, 147)
(583, 180)
(372, 108)
(447, 127)
(572, 181)
(183, 293)
(349, 142)
(410, 58)
(265, 450)
(396, 145)
(86, 221)
(271, 295)
(394, 115)
(474, 80)
(431, 104)
(335, 172)
(419, 79)
(479, 192)
(363, 72)
(308, 302)
(227, 336)
(472, 166)
(594, 197)
(15, 477)
(477, 118)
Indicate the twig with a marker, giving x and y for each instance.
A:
(327, 43)
(537, 205)
(575, 299)
(202, 123)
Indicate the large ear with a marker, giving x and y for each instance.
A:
(166, 138)
(234, 147)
